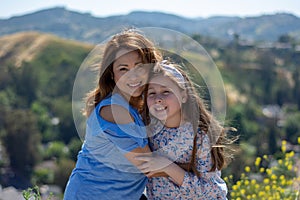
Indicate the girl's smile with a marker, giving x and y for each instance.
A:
(164, 99)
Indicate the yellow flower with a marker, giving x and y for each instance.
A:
(283, 149)
(232, 194)
(266, 181)
(273, 177)
(291, 154)
(283, 182)
(247, 182)
(257, 161)
(283, 142)
(283, 146)
(247, 169)
(243, 191)
(235, 187)
(298, 140)
(261, 170)
(261, 193)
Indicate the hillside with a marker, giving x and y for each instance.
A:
(21, 47)
(88, 28)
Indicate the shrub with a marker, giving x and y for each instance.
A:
(278, 180)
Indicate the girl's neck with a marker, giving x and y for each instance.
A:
(174, 123)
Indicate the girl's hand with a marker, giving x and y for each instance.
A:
(153, 163)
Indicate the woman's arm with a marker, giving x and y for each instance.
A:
(119, 115)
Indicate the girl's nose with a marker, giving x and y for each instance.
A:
(158, 99)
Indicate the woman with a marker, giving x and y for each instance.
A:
(106, 168)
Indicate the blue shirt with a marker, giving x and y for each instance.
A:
(102, 171)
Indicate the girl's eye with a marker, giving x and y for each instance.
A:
(166, 92)
(151, 94)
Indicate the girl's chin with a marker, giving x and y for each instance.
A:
(160, 117)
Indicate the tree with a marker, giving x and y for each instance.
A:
(267, 65)
(22, 140)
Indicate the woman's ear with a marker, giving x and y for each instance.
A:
(184, 96)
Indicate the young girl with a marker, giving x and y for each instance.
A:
(105, 168)
(182, 131)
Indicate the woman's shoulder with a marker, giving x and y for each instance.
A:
(116, 114)
(115, 109)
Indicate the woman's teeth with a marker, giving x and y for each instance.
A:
(134, 84)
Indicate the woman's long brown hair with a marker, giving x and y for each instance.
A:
(130, 40)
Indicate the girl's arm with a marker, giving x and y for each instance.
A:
(209, 185)
(155, 164)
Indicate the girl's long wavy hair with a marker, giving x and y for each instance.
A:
(131, 40)
(194, 111)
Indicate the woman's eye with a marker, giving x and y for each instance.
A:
(140, 68)
(123, 69)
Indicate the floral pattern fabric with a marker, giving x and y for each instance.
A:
(177, 145)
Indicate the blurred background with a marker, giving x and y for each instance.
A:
(255, 45)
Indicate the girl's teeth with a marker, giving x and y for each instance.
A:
(160, 109)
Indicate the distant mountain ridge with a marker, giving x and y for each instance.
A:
(87, 28)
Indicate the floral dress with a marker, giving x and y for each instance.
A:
(177, 145)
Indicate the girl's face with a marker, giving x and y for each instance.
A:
(130, 74)
(164, 100)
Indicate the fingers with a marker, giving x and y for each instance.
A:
(150, 174)
(143, 158)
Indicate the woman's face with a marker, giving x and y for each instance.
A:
(130, 74)
(164, 99)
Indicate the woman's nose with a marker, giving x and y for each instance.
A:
(131, 75)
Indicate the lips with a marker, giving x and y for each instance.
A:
(134, 85)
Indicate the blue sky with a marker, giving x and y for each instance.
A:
(186, 8)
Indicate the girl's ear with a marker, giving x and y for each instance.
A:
(184, 96)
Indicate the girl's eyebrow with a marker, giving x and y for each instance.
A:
(162, 86)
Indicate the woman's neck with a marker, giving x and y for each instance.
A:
(135, 102)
